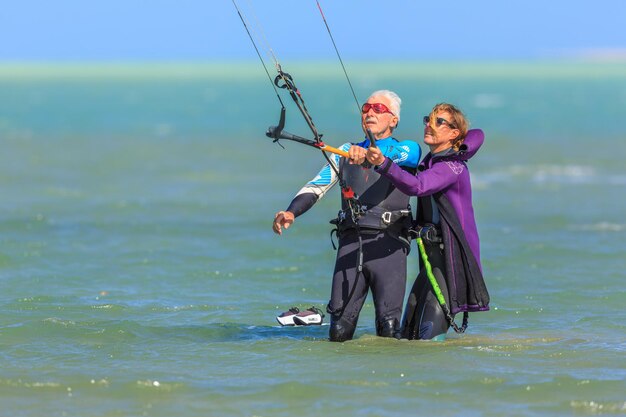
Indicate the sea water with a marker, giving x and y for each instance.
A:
(139, 275)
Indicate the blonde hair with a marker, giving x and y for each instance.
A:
(458, 121)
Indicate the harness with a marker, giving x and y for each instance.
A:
(375, 220)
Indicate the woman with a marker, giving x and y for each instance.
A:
(445, 224)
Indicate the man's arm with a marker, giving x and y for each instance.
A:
(309, 194)
(406, 153)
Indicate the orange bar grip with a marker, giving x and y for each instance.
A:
(334, 150)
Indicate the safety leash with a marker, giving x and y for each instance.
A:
(437, 290)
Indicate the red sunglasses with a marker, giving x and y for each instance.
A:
(377, 107)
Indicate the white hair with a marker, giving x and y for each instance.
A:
(393, 98)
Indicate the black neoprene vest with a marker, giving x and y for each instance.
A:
(384, 207)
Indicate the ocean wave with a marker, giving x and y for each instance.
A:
(154, 384)
(599, 227)
(547, 174)
(60, 322)
(19, 383)
(598, 407)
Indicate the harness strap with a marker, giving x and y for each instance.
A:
(375, 218)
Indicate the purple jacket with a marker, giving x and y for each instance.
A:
(449, 175)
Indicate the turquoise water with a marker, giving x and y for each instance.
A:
(139, 274)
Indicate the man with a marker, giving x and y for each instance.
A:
(372, 225)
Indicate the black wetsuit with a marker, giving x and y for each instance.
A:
(372, 251)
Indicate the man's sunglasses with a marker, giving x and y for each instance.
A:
(438, 121)
(377, 107)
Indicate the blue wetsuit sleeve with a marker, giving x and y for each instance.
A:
(406, 153)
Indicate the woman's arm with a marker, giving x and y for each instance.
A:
(437, 178)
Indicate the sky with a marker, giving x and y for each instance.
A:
(210, 30)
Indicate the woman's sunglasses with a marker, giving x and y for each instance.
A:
(438, 122)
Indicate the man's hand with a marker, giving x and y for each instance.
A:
(282, 219)
(356, 155)
(375, 156)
